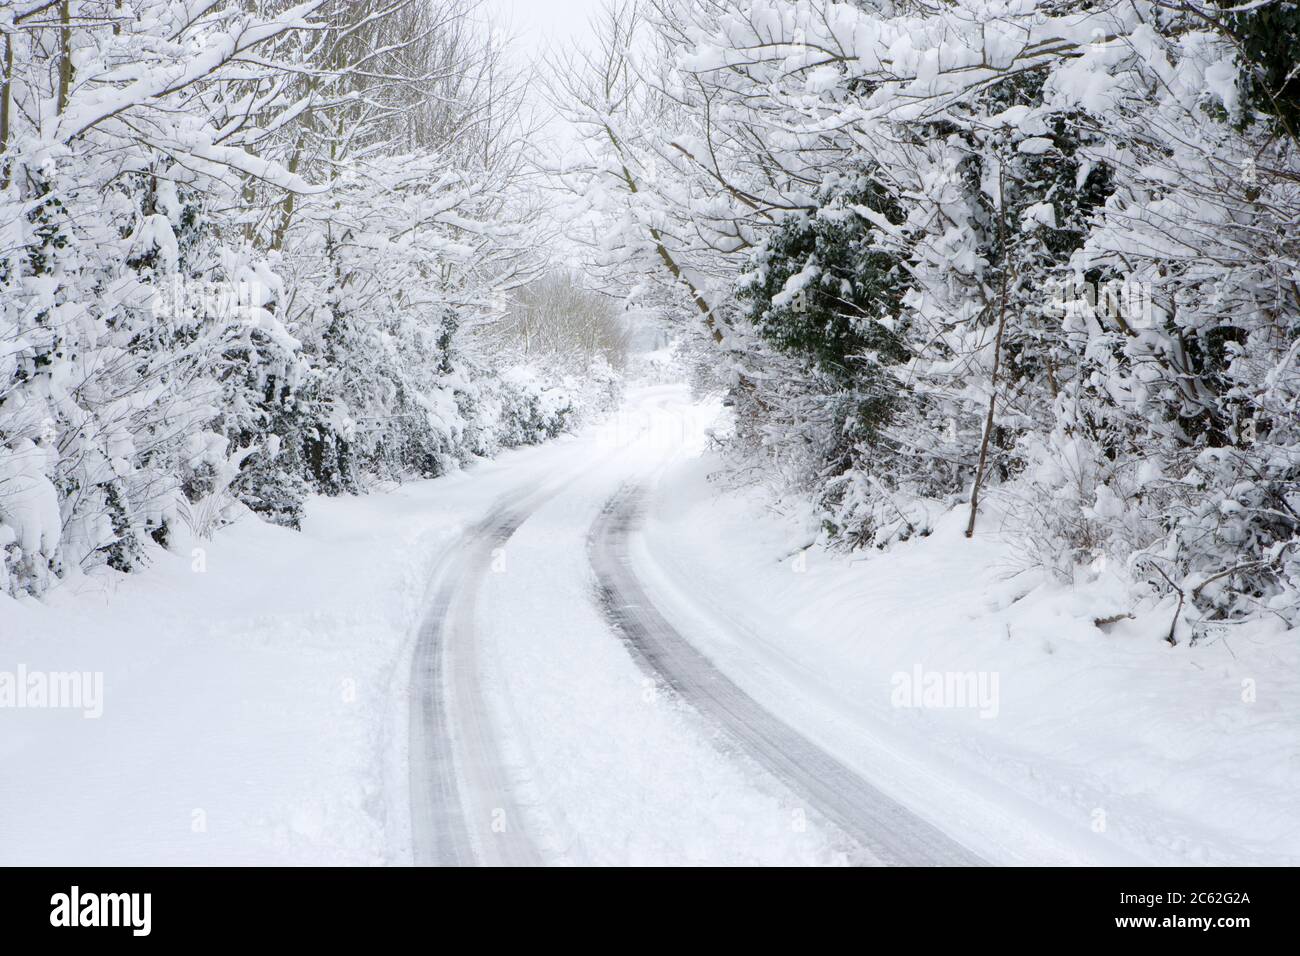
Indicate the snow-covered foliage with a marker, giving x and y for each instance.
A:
(239, 247)
(1043, 249)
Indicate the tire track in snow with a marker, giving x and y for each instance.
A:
(885, 828)
(461, 788)
(463, 807)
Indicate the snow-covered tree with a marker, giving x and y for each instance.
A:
(1044, 251)
(241, 245)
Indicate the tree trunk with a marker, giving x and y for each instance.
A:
(997, 362)
(4, 111)
(65, 54)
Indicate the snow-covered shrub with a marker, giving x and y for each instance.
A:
(531, 404)
(30, 523)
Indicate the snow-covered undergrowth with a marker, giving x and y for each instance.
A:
(979, 688)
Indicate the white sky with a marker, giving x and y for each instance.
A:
(535, 28)
(540, 25)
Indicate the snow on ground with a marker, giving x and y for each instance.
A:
(252, 713)
(256, 712)
(1091, 747)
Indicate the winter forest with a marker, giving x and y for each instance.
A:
(1023, 270)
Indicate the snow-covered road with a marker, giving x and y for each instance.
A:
(558, 717)
(619, 688)
(484, 786)
(590, 652)
(457, 778)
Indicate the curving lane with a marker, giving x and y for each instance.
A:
(463, 795)
(892, 834)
